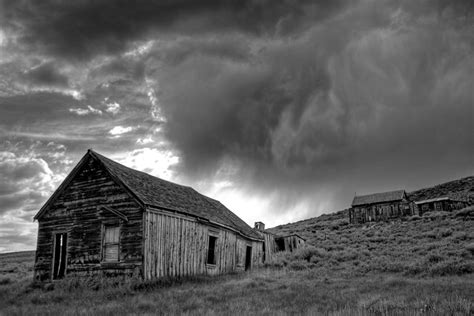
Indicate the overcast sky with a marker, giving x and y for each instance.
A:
(282, 110)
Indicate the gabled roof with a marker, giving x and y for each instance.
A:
(155, 192)
(378, 198)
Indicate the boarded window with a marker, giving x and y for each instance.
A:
(111, 243)
(211, 252)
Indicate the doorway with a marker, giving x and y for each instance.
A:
(59, 255)
(248, 258)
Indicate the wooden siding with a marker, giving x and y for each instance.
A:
(270, 246)
(380, 211)
(177, 245)
(289, 243)
(77, 212)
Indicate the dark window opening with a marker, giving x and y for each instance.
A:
(263, 248)
(111, 243)
(211, 252)
(248, 258)
(280, 244)
(60, 255)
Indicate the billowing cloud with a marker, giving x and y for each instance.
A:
(119, 130)
(281, 109)
(112, 107)
(86, 111)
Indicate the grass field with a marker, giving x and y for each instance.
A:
(419, 266)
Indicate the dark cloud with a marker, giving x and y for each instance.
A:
(46, 74)
(370, 89)
(82, 29)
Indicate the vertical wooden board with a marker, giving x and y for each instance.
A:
(170, 242)
(180, 255)
(171, 245)
(196, 249)
(162, 238)
(186, 246)
(201, 247)
(157, 246)
(179, 247)
(166, 247)
(145, 245)
(175, 246)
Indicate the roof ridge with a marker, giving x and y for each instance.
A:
(101, 157)
(385, 192)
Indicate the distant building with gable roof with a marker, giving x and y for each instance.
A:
(379, 206)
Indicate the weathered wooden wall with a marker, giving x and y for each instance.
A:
(177, 245)
(76, 211)
(446, 205)
(379, 212)
(290, 243)
(270, 246)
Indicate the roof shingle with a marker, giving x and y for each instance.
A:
(378, 198)
(160, 193)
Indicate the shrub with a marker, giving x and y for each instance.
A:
(5, 281)
(460, 235)
(414, 218)
(434, 258)
(470, 247)
(436, 215)
(451, 267)
(467, 211)
(299, 265)
(446, 232)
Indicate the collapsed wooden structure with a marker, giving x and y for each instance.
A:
(108, 219)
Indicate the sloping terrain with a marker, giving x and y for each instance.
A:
(438, 243)
(462, 188)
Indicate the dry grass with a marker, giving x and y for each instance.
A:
(428, 246)
(415, 267)
(265, 291)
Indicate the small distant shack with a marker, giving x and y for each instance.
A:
(444, 203)
(289, 242)
(379, 206)
(275, 243)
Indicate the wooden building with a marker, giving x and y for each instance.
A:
(379, 206)
(444, 203)
(289, 242)
(275, 243)
(108, 219)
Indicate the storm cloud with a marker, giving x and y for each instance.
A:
(281, 109)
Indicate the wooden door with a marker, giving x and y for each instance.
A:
(248, 258)
(59, 255)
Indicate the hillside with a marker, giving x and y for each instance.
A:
(462, 188)
(431, 245)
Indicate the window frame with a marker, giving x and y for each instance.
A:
(215, 237)
(106, 225)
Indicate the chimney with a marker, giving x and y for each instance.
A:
(260, 226)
